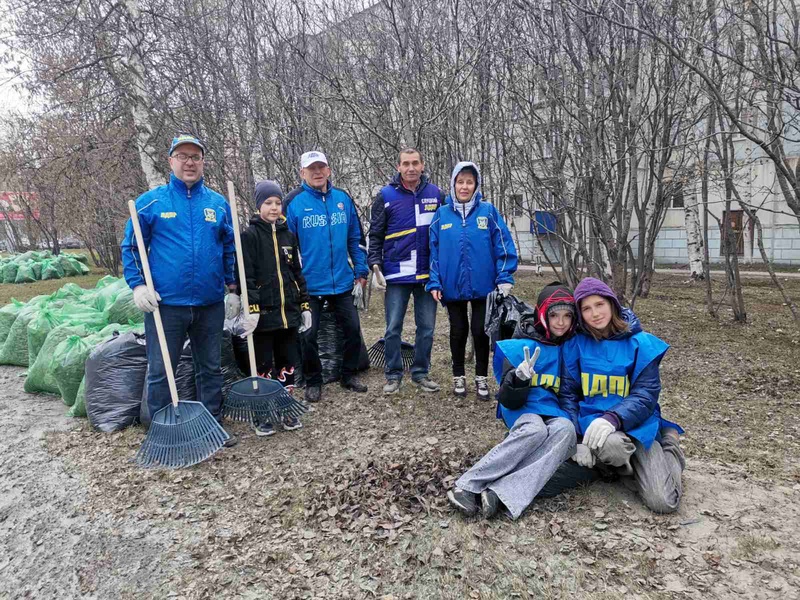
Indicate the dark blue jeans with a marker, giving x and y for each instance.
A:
(395, 305)
(203, 324)
(347, 317)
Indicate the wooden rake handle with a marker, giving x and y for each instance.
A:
(162, 339)
(251, 352)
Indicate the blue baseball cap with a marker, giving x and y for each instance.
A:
(185, 138)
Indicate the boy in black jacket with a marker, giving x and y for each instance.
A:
(277, 291)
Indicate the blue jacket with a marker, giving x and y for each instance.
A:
(328, 231)
(189, 238)
(398, 233)
(470, 253)
(619, 375)
(540, 394)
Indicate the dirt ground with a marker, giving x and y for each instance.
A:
(352, 505)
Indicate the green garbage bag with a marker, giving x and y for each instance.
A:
(26, 256)
(51, 269)
(69, 290)
(108, 294)
(15, 348)
(66, 265)
(37, 270)
(81, 258)
(10, 272)
(79, 408)
(38, 329)
(82, 268)
(40, 378)
(124, 310)
(8, 314)
(105, 281)
(25, 273)
(67, 365)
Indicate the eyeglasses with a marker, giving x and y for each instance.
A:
(182, 158)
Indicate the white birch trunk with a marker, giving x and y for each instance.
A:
(138, 94)
(694, 237)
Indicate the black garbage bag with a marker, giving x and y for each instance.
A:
(231, 368)
(330, 341)
(502, 316)
(115, 375)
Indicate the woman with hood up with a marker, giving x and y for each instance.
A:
(541, 435)
(472, 254)
(610, 385)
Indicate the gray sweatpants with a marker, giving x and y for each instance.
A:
(654, 473)
(519, 466)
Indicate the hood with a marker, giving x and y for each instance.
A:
(589, 286)
(456, 170)
(396, 183)
(280, 224)
(554, 294)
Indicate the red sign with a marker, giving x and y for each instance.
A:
(12, 205)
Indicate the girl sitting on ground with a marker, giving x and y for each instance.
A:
(541, 435)
(472, 253)
(610, 385)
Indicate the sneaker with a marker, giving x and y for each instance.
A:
(490, 503)
(354, 385)
(481, 387)
(309, 408)
(464, 502)
(291, 423)
(460, 386)
(392, 386)
(231, 441)
(313, 393)
(427, 385)
(264, 429)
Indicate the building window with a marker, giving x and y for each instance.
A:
(674, 193)
(517, 205)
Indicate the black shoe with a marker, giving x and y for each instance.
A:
(230, 442)
(490, 503)
(354, 385)
(464, 502)
(313, 393)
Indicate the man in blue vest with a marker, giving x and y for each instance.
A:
(187, 229)
(399, 256)
(324, 220)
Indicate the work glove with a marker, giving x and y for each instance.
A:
(144, 300)
(306, 324)
(505, 289)
(525, 371)
(378, 280)
(597, 433)
(249, 323)
(583, 456)
(233, 305)
(359, 298)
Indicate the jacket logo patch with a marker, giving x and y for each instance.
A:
(315, 221)
(287, 253)
(309, 209)
(340, 205)
(211, 215)
(603, 385)
(255, 309)
(168, 215)
(430, 207)
(446, 226)
(483, 223)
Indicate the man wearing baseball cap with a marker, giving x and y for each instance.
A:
(325, 222)
(188, 231)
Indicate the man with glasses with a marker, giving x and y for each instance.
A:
(325, 222)
(188, 231)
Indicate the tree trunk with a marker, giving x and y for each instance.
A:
(694, 238)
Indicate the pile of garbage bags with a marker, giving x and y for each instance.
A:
(35, 266)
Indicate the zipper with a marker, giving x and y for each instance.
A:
(191, 229)
(280, 277)
(330, 240)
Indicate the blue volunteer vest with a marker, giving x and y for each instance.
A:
(542, 399)
(608, 369)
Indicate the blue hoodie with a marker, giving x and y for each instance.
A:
(328, 231)
(471, 248)
(189, 238)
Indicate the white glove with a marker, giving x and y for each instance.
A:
(525, 370)
(378, 280)
(505, 289)
(359, 300)
(583, 456)
(233, 305)
(597, 433)
(249, 323)
(306, 324)
(144, 300)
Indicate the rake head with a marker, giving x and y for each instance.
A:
(180, 437)
(377, 354)
(268, 401)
